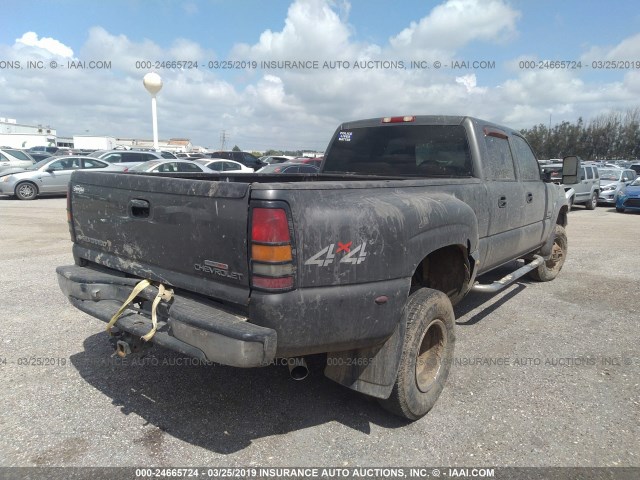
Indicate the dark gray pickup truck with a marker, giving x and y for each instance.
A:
(362, 261)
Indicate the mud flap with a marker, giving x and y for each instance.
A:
(371, 371)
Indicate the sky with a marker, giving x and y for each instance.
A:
(78, 65)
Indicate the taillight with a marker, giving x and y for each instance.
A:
(271, 252)
(70, 214)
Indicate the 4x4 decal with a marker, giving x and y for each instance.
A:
(327, 255)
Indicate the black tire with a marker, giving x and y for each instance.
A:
(593, 201)
(551, 268)
(427, 354)
(619, 210)
(26, 191)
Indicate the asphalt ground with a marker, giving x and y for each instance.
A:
(546, 374)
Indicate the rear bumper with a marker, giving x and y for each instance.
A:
(202, 330)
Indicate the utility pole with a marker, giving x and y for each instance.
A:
(223, 139)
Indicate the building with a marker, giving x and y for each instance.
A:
(17, 135)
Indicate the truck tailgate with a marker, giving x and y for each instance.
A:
(190, 232)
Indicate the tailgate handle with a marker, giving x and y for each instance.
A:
(139, 208)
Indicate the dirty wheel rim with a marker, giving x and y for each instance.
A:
(557, 256)
(27, 191)
(429, 357)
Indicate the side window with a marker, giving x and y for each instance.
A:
(188, 167)
(589, 173)
(91, 163)
(499, 164)
(167, 167)
(527, 163)
(59, 165)
(114, 158)
(230, 166)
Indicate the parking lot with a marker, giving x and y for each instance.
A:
(545, 374)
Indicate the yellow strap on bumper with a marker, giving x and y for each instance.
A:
(163, 294)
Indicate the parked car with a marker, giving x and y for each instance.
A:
(586, 191)
(220, 165)
(270, 160)
(43, 149)
(316, 162)
(13, 158)
(170, 166)
(612, 180)
(244, 158)
(39, 156)
(49, 176)
(126, 158)
(190, 156)
(628, 198)
(289, 167)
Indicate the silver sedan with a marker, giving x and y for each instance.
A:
(170, 166)
(48, 177)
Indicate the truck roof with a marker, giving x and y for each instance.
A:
(423, 120)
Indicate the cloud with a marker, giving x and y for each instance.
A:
(454, 24)
(313, 28)
(627, 49)
(43, 45)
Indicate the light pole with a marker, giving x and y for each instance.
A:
(153, 83)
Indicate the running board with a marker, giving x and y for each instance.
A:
(509, 279)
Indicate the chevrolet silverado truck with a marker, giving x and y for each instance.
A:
(361, 262)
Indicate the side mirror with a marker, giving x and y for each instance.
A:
(570, 167)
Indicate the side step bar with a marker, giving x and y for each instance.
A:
(509, 279)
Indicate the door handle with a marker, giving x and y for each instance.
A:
(502, 201)
(529, 197)
(139, 208)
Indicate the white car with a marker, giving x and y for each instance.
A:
(224, 165)
(12, 158)
(170, 166)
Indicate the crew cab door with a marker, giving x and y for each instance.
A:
(506, 199)
(535, 193)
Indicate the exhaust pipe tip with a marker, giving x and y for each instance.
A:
(298, 368)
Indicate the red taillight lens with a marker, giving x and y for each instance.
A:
(271, 252)
(269, 225)
(273, 283)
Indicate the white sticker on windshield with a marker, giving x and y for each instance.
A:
(345, 136)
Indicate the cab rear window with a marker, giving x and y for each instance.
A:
(401, 150)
